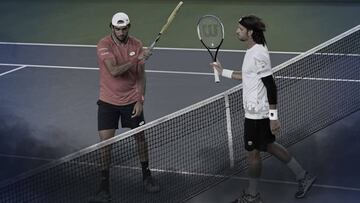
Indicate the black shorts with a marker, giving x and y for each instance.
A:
(257, 134)
(109, 115)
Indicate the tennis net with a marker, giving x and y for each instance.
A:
(201, 145)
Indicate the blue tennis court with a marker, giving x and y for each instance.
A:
(48, 110)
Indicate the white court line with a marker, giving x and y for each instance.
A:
(13, 70)
(92, 68)
(179, 72)
(47, 44)
(243, 178)
(166, 72)
(198, 174)
(295, 183)
(25, 157)
(159, 48)
(49, 66)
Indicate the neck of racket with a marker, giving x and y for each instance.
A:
(217, 50)
(165, 27)
(151, 47)
(213, 57)
(216, 73)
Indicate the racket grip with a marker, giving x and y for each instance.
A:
(216, 75)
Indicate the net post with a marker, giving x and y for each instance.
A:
(229, 132)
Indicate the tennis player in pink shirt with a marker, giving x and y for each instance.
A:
(122, 89)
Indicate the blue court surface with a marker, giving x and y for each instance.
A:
(48, 110)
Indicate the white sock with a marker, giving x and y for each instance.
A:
(296, 168)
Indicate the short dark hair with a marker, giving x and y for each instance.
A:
(254, 23)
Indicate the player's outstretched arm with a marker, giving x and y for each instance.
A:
(236, 75)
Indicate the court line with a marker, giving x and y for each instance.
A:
(49, 66)
(179, 72)
(295, 183)
(159, 48)
(25, 157)
(261, 180)
(196, 174)
(13, 70)
(166, 72)
(92, 68)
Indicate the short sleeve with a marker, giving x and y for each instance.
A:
(104, 51)
(262, 64)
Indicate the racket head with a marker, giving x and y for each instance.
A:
(210, 31)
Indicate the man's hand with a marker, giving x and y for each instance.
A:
(145, 54)
(138, 108)
(275, 126)
(217, 66)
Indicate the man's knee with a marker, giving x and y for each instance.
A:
(106, 134)
(254, 158)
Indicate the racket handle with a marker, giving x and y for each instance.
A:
(216, 75)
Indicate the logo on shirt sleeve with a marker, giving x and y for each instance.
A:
(103, 51)
(260, 63)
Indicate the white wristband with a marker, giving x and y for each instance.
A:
(227, 73)
(273, 114)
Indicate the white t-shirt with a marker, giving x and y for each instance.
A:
(256, 65)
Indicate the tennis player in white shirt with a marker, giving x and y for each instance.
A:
(261, 115)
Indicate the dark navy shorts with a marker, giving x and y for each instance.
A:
(109, 116)
(257, 134)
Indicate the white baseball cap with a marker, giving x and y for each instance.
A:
(120, 19)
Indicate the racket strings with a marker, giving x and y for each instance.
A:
(210, 31)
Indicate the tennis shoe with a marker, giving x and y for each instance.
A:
(248, 198)
(102, 196)
(305, 185)
(151, 185)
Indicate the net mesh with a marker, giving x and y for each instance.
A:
(189, 150)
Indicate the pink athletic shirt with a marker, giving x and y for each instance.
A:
(123, 89)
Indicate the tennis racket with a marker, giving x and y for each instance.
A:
(210, 31)
(165, 27)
